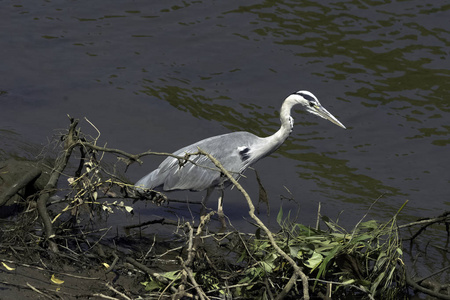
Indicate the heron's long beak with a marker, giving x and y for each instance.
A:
(322, 112)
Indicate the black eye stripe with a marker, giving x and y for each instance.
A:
(307, 97)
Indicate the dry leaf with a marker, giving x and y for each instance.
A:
(56, 280)
(8, 267)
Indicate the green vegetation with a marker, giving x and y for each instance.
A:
(363, 263)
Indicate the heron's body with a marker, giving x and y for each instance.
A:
(236, 151)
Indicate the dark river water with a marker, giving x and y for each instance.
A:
(160, 75)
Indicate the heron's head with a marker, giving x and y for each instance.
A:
(312, 105)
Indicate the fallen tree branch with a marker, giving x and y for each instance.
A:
(424, 290)
(61, 162)
(429, 221)
(425, 223)
(72, 140)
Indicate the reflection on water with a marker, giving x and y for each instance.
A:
(387, 49)
(334, 175)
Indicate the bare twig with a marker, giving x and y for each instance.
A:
(287, 287)
(318, 216)
(117, 292)
(162, 221)
(433, 274)
(113, 265)
(428, 221)
(425, 223)
(39, 292)
(104, 296)
(192, 248)
(365, 215)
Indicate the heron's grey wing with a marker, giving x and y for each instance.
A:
(197, 175)
(150, 181)
(232, 150)
(174, 174)
(200, 173)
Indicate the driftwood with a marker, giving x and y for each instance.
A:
(20, 184)
(21, 178)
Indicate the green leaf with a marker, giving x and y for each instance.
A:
(350, 281)
(314, 260)
(152, 285)
(339, 236)
(379, 264)
(294, 251)
(244, 280)
(372, 225)
(243, 255)
(172, 275)
(362, 237)
(330, 256)
(280, 215)
(268, 267)
(377, 281)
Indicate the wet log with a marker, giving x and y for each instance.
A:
(20, 179)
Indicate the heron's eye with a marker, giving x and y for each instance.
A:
(312, 104)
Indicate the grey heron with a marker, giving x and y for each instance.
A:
(236, 151)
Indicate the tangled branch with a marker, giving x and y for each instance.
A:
(251, 212)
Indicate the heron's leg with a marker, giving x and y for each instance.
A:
(220, 213)
(205, 199)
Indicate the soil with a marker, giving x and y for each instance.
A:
(31, 278)
(78, 276)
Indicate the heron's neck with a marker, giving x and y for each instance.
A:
(287, 122)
